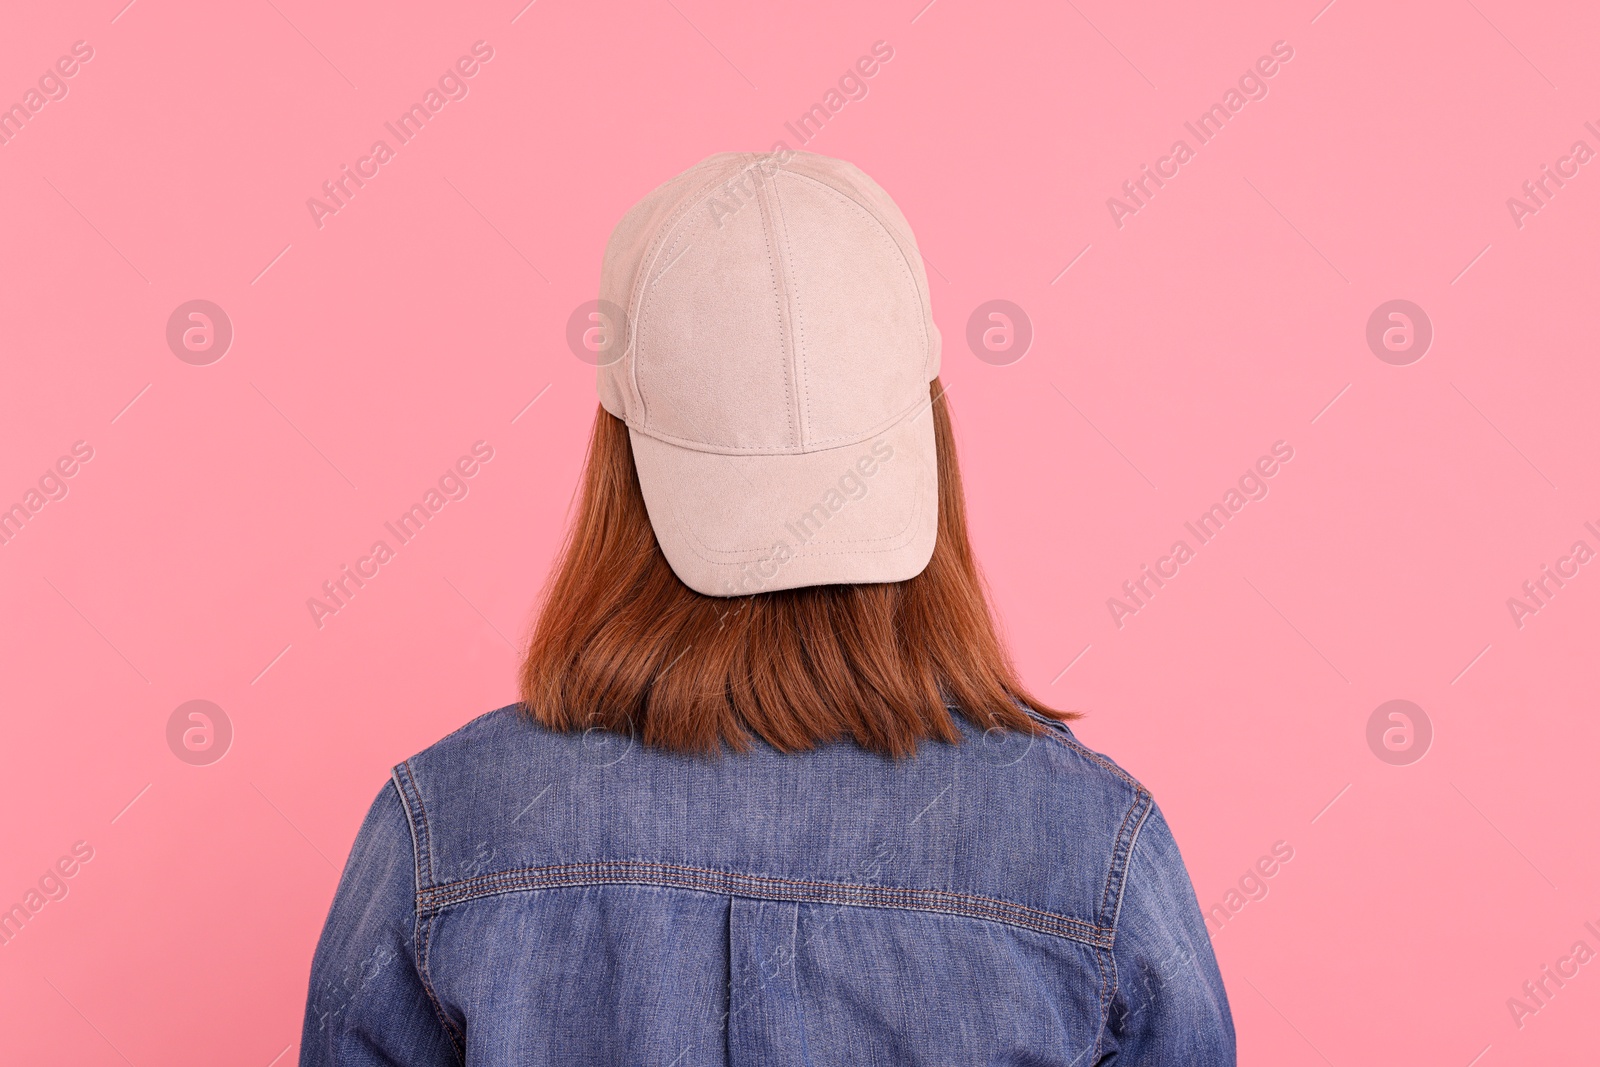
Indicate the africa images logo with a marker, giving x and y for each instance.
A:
(1252, 485)
(755, 575)
(452, 85)
(51, 87)
(1252, 85)
(452, 485)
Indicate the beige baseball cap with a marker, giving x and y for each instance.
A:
(773, 344)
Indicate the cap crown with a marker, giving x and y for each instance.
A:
(773, 306)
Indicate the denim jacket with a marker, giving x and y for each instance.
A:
(518, 896)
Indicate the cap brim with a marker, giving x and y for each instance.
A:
(731, 525)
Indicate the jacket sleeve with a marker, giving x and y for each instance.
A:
(368, 1006)
(1169, 1006)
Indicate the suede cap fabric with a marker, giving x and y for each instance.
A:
(777, 347)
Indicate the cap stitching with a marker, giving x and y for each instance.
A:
(646, 262)
(626, 378)
(767, 450)
(889, 232)
(784, 321)
(640, 299)
(901, 539)
(905, 536)
(636, 284)
(798, 324)
(633, 340)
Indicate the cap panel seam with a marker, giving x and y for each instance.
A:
(900, 252)
(633, 330)
(781, 287)
(634, 394)
(642, 294)
(646, 264)
(797, 359)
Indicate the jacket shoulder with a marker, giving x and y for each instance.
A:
(1040, 821)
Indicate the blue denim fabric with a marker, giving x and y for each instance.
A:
(517, 896)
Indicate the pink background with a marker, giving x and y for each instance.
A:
(1224, 316)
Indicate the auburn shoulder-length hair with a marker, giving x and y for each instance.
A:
(620, 644)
